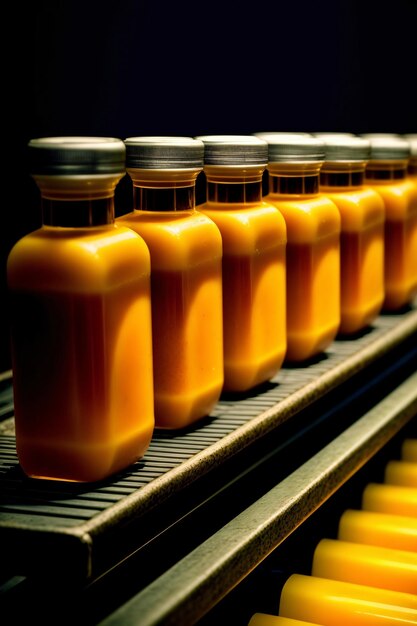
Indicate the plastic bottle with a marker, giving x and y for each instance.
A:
(254, 242)
(362, 212)
(80, 320)
(392, 499)
(386, 173)
(313, 244)
(376, 566)
(379, 529)
(334, 602)
(401, 473)
(186, 280)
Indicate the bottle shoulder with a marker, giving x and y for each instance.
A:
(85, 259)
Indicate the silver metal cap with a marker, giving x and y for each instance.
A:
(280, 132)
(346, 148)
(293, 148)
(389, 148)
(73, 156)
(234, 150)
(378, 135)
(413, 146)
(325, 134)
(164, 153)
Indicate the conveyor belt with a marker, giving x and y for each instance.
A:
(65, 526)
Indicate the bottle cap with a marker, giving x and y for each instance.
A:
(289, 147)
(71, 156)
(234, 150)
(389, 148)
(346, 148)
(413, 147)
(164, 153)
(377, 135)
(279, 132)
(326, 134)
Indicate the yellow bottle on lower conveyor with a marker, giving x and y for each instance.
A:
(386, 173)
(375, 566)
(263, 619)
(409, 450)
(313, 244)
(337, 603)
(378, 529)
(362, 212)
(254, 245)
(394, 499)
(403, 473)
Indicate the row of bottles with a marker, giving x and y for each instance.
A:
(368, 574)
(120, 325)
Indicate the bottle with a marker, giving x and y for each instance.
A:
(80, 320)
(376, 566)
(386, 173)
(378, 529)
(313, 244)
(401, 473)
(409, 449)
(254, 241)
(362, 214)
(335, 602)
(391, 499)
(186, 277)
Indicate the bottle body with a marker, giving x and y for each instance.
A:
(80, 317)
(253, 271)
(81, 351)
(185, 249)
(313, 265)
(362, 289)
(400, 198)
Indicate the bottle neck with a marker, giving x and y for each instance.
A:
(243, 193)
(77, 213)
(294, 185)
(164, 199)
(342, 176)
(386, 170)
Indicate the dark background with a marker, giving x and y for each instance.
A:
(188, 68)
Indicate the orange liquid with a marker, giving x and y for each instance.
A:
(254, 310)
(187, 327)
(362, 256)
(400, 198)
(313, 273)
(81, 350)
